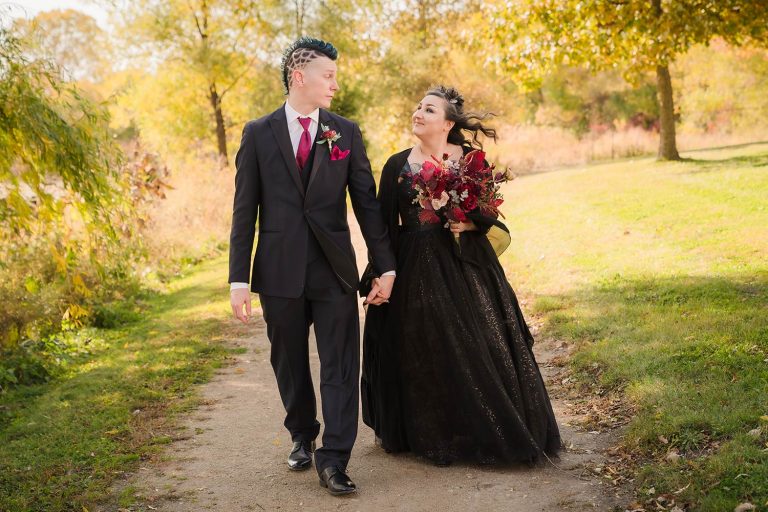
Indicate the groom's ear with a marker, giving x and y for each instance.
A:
(297, 76)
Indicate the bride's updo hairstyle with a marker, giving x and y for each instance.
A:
(464, 121)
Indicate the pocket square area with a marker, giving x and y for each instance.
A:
(337, 154)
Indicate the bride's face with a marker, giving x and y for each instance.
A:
(428, 120)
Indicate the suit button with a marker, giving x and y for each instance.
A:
(306, 211)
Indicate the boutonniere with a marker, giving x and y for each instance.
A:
(328, 136)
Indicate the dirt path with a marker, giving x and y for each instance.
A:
(230, 456)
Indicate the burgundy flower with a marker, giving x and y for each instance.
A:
(475, 161)
(458, 214)
(469, 203)
(427, 170)
(428, 217)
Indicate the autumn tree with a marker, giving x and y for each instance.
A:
(71, 39)
(217, 40)
(55, 146)
(531, 38)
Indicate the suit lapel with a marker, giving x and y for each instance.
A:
(279, 125)
(321, 150)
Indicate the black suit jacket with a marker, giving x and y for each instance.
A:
(268, 187)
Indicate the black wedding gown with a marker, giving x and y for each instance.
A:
(448, 367)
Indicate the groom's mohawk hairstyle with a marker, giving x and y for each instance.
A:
(303, 51)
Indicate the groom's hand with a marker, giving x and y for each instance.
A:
(238, 298)
(371, 298)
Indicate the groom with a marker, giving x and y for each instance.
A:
(294, 168)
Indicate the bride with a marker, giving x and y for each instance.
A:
(448, 367)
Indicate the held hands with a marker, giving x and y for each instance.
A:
(458, 227)
(381, 290)
(238, 298)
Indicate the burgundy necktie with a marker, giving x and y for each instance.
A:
(305, 143)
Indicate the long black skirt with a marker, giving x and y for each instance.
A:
(448, 367)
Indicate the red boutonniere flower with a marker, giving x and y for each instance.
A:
(328, 136)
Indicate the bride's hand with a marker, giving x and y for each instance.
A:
(458, 227)
(379, 291)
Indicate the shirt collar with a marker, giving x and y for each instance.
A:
(291, 114)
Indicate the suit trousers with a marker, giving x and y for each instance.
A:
(336, 323)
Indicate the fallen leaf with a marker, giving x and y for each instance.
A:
(743, 507)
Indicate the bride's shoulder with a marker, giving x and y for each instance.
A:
(394, 163)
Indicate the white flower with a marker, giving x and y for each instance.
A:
(439, 203)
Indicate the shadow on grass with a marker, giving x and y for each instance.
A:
(709, 165)
(691, 353)
(731, 146)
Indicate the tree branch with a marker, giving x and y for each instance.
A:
(237, 79)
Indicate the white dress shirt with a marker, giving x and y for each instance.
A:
(294, 126)
(295, 129)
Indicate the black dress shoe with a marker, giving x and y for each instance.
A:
(301, 455)
(336, 481)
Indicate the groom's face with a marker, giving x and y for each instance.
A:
(316, 83)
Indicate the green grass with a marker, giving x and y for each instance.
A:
(63, 443)
(658, 272)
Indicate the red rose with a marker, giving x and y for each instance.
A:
(329, 134)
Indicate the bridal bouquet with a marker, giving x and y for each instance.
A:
(449, 190)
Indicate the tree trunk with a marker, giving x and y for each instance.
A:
(221, 131)
(667, 138)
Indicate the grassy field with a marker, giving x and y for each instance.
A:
(658, 273)
(62, 444)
